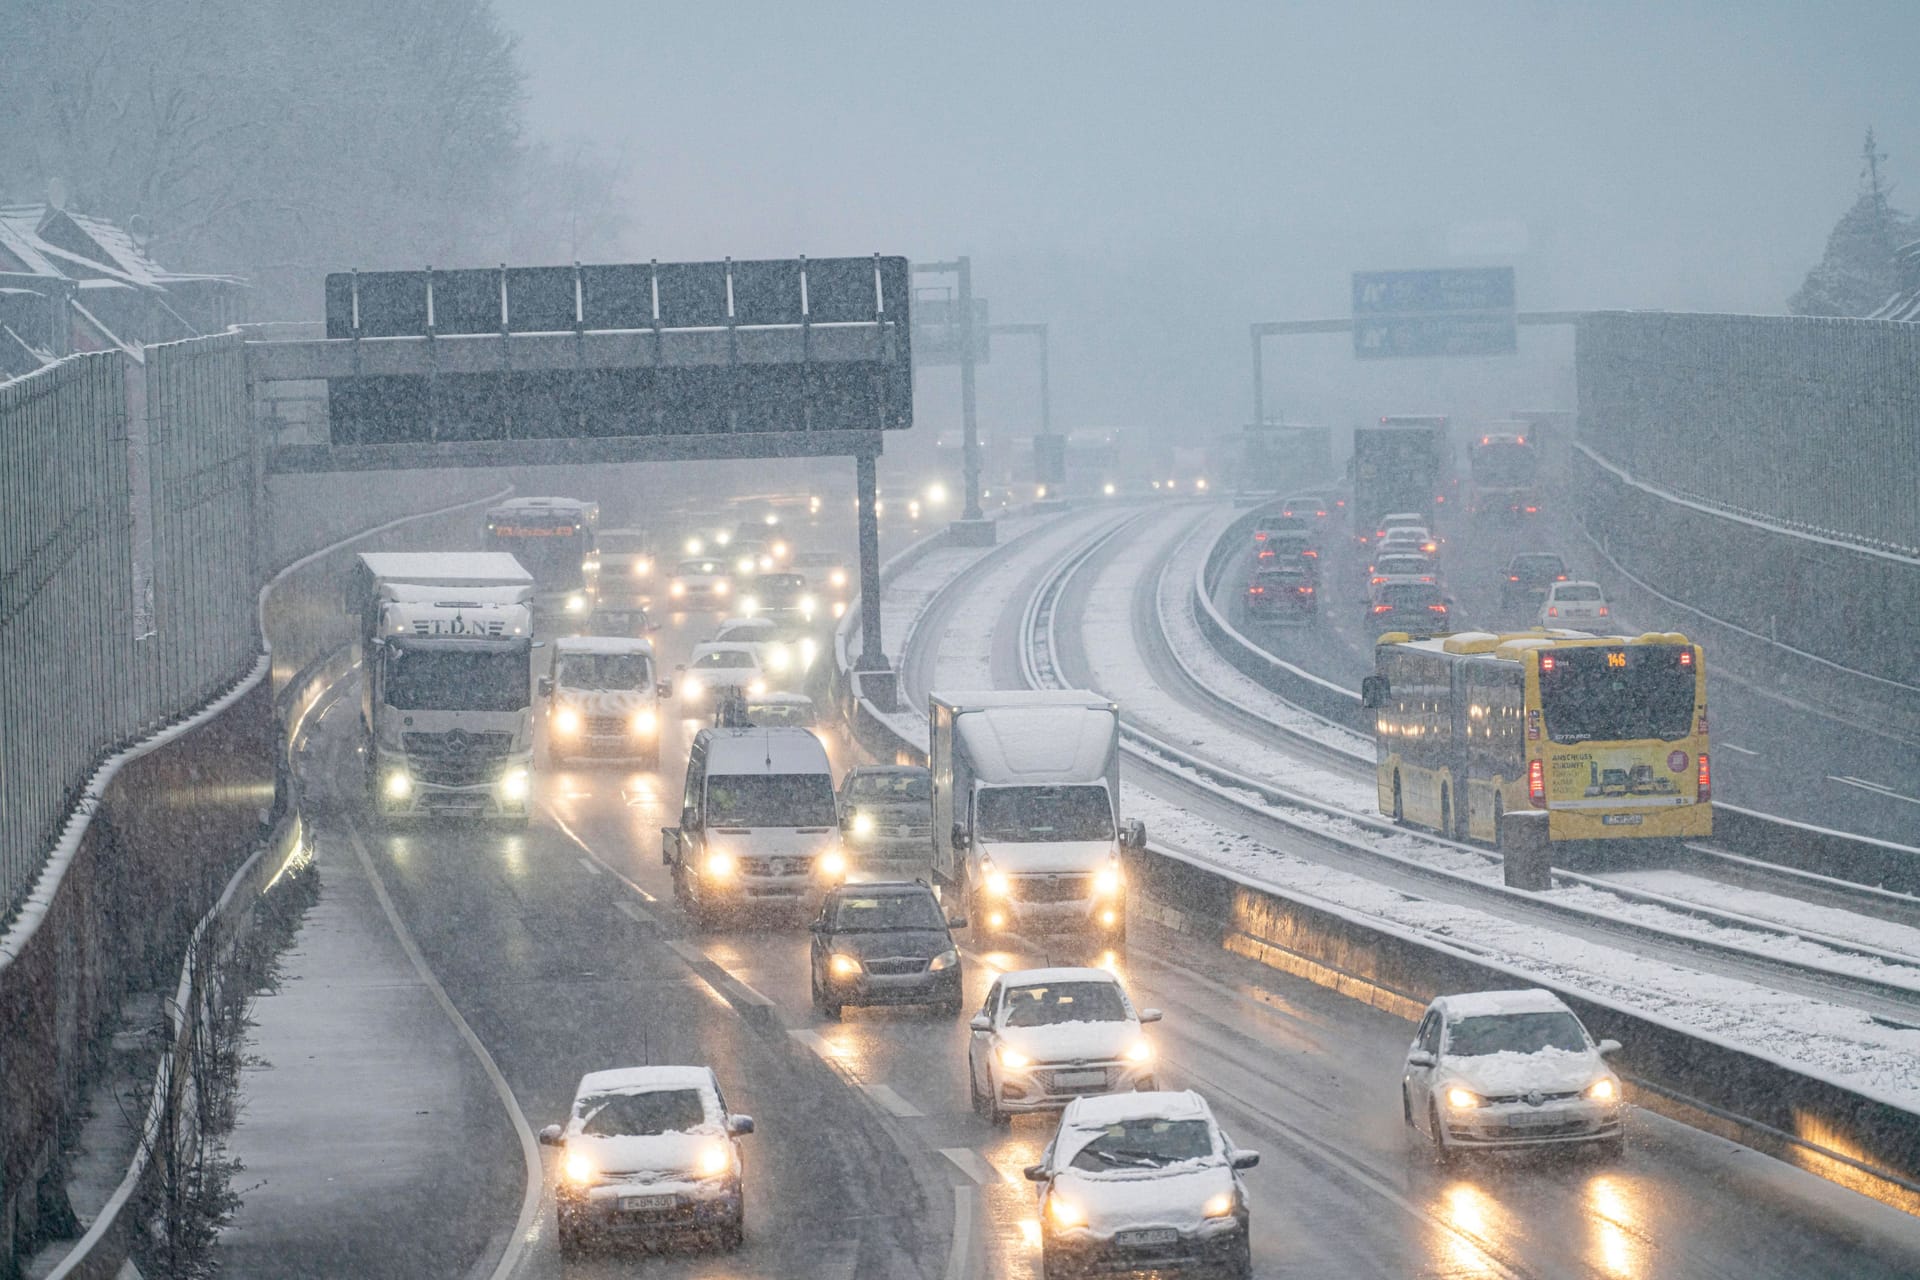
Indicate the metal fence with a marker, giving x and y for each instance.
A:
(78, 679)
(1807, 423)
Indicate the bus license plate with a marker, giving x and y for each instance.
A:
(1620, 819)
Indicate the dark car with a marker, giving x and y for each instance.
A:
(1418, 608)
(884, 943)
(1283, 593)
(781, 596)
(886, 812)
(1528, 576)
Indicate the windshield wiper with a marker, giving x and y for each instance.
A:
(1131, 1158)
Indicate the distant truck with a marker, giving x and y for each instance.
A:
(554, 539)
(1027, 834)
(1400, 464)
(445, 647)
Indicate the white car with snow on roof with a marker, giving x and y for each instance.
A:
(648, 1152)
(602, 700)
(1142, 1182)
(720, 664)
(1044, 1037)
(1510, 1069)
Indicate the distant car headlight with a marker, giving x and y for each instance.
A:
(676, 588)
(1218, 1207)
(838, 578)
(832, 864)
(715, 1158)
(694, 546)
(945, 960)
(722, 538)
(580, 1169)
(1014, 1060)
(756, 686)
(862, 825)
(690, 687)
(566, 721)
(1064, 1212)
(839, 608)
(780, 550)
(576, 603)
(808, 605)
(1106, 881)
(1464, 1099)
(997, 884)
(399, 785)
(749, 605)
(843, 966)
(1602, 1090)
(766, 564)
(642, 567)
(809, 650)
(721, 587)
(1140, 1051)
(778, 659)
(646, 723)
(744, 564)
(718, 865)
(515, 785)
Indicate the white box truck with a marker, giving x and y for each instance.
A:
(1027, 835)
(445, 648)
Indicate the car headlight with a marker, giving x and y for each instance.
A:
(809, 650)
(766, 564)
(1065, 1212)
(862, 825)
(1218, 1207)
(718, 865)
(839, 608)
(778, 659)
(642, 567)
(997, 884)
(756, 687)
(1107, 880)
(676, 588)
(721, 587)
(780, 550)
(832, 864)
(691, 687)
(399, 785)
(1464, 1099)
(1602, 1090)
(576, 603)
(722, 539)
(945, 960)
(749, 605)
(566, 720)
(807, 605)
(843, 966)
(694, 546)
(744, 564)
(580, 1169)
(1014, 1060)
(646, 723)
(838, 578)
(714, 1159)
(1140, 1051)
(515, 785)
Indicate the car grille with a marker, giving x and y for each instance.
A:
(776, 866)
(1045, 1079)
(605, 726)
(1544, 1097)
(1052, 888)
(456, 759)
(896, 966)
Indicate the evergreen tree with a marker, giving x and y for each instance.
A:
(1857, 275)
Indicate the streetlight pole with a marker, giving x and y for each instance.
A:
(970, 437)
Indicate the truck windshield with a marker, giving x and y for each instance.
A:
(770, 800)
(606, 671)
(456, 679)
(1011, 815)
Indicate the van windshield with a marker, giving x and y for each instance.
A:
(606, 671)
(1012, 815)
(770, 800)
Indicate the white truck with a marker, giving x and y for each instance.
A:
(1027, 836)
(445, 647)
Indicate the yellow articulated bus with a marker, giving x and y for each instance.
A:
(1607, 734)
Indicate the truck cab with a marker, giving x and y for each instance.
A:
(758, 826)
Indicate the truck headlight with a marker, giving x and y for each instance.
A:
(399, 785)
(718, 865)
(515, 785)
(566, 721)
(843, 966)
(646, 723)
(576, 603)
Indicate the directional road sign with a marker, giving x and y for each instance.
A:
(1455, 312)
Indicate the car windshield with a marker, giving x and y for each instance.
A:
(606, 671)
(455, 679)
(1147, 1143)
(887, 912)
(770, 800)
(1045, 1005)
(798, 712)
(725, 659)
(1574, 591)
(1037, 814)
(1514, 1033)
(1612, 694)
(891, 788)
(621, 1115)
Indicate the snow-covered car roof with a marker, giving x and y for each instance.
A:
(644, 1080)
(1478, 1004)
(706, 647)
(602, 644)
(770, 750)
(1041, 977)
(1104, 1109)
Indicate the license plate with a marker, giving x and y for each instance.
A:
(1532, 1119)
(647, 1204)
(1620, 819)
(1150, 1235)
(1079, 1079)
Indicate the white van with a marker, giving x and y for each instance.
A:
(757, 824)
(602, 700)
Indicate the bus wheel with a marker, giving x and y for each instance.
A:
(1399, 811)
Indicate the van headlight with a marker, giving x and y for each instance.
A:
(566, 721)
(646, 722)
(515, 785)
(832, 864)
(862, 825)
(576, 603)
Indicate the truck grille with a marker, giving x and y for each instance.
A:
(1052, 888)
(458, 758)
(776, 866)
(605, 726)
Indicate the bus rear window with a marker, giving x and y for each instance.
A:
(1603, 694)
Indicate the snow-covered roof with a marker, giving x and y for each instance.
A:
(446, 568)
(1478, 1004)
(783, 749)
(602, 644)
(644, 1080)
(1116, 1108)
(1058, 973)
(1032, 743)
(1023, 698)
(706, 647)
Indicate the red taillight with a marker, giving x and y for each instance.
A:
(1374, 582)
(1287, 512)
(1686, 657)
(1705, 779)
(1319, 513)
(1311, 554)
(1533, 511)
(1536, 784)
(1260, 536)
(1426, 579)
(1436, 608)
(1439, 497)
(1546, 662)
(1552, 612)
(1305, 591)
(1340, 503)
(1560, 578)
(1383, 608)
(1513, 577)
(1256, 591)
(1603, 611)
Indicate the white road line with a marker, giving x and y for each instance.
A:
(592, 867)
(635, 914)
(574, 836)
(1871, 787)
(960, 1252)
(1734, 746)
(729, 987)
(892, 1103)
(974, 1165)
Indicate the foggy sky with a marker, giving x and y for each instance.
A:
(1149, 179)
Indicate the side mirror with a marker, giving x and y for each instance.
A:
(663, 689)
(550, 1136)
(816, 926)
(960, 837)
(689, 820)
(1150, 1015)
(546, 686)
(980, 1022)
(739, 1126)
(956, 922)
(1037, 1173)
(1609, 1047)
(1374, 691)
(1133, 834)
(1420, 1058)
(1244, 1159)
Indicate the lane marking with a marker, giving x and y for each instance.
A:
(892, 1103)
(587, 849)
(526, 1227)
(636, 914)
(731, 989)
(975, 1166)
(593, 868)
(1871, 787)
(1734, 746)
(960, 1252)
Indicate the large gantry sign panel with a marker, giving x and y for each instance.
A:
(780, 357)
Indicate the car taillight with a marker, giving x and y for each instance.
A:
(1311, 554)
(1705, 779)
(1256, 591)
(1513, 577)
(1305, 591)
(1536, 784)
(1533, 511)
(1260, 537)
(1319, 513)
(1375, 581)
(1383, 608)
(1560, 577)
(1552, 612)
(1603, 611)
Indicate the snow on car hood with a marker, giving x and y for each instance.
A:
(1548, 1071)
(603, 702)
(1072, 1041)
(1019, 857)
(667, 1156)
(1127, 1199)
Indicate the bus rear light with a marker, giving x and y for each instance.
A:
(1546, 662)
(1537, 784)
(1686, 657)
(1383, 608)
(1436, 608)
(1705, 780)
